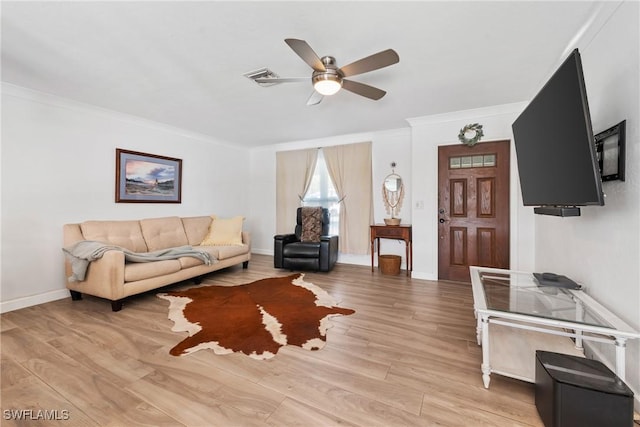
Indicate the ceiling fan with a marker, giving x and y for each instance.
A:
(328, 79)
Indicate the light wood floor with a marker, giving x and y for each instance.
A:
(407, 357)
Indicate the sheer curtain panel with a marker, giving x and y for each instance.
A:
(350, 170)
(294, 170)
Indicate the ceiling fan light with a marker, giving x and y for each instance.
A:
(327, 84)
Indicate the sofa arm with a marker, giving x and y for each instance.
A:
(279, 242)
(246, 239)
(328, 252)
(104, 278)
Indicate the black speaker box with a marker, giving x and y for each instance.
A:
(573, 391)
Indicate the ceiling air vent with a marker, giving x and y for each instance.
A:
(260, 74)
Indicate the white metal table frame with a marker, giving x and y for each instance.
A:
(618, 332)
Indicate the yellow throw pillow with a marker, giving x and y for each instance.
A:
(224, 232)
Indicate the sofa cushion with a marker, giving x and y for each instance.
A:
(211, 250)
(126, 234)
(196, 228)
(225, 252)
(135, 271)
(189, 261)
(163, 233)
(224, 231)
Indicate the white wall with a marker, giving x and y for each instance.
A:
(58, 166)
(387, 146)
(415, 152)
(601, 248)
(427, 134)
(58, 161)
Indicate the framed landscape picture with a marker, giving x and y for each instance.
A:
(147, 178)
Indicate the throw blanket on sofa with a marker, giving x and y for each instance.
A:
(83, 252)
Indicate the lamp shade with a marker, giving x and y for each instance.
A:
(327, 84)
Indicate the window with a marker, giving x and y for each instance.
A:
(321, 192)
(487, 160)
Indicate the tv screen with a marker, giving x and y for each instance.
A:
(554, 143)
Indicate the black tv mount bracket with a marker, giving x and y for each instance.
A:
(610, 151)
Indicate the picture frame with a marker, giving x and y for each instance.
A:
(147, 178)
(610, 151)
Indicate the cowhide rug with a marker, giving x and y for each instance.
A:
(256, 319)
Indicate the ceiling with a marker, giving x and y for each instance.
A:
(181, 63)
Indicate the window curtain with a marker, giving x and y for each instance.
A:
(294, 170)
(349, 167)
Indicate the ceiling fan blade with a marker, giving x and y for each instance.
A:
(282, 79)
(315, 98)
(370, 63)
(307, 54)
(363, 89)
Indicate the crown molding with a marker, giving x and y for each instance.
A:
(472, 114)
(66, 103)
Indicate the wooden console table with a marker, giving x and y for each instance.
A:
(397, 232)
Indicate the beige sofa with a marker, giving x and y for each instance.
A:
(111, 278)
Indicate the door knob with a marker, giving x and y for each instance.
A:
(441, 220)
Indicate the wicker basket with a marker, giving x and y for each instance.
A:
(389, 264)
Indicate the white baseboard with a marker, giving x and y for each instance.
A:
(423, 276)
(356, 260)
(262, 251)
(31, 300)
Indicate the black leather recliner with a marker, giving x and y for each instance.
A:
(289, 252)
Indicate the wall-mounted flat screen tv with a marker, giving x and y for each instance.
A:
(555, 147)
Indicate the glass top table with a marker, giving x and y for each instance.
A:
(520, 293)
(515, 299)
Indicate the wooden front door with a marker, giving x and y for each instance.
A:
(473, 208)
